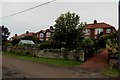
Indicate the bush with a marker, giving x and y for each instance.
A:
(65, 53)
(45, 45)
(76, 56)
(27, 53)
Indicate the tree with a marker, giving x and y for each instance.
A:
(112, 42)
(101, 40)
(15, 41)
(88, 44)
(35, 39)
(68, 30)
(5, 33)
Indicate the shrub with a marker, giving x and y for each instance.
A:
(45, 45)
(27, 53)
(65, 53)
(76, 56)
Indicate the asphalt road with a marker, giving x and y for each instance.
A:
(18, 68)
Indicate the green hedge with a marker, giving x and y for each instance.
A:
(46, 45)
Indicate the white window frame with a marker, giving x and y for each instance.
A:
(98, 30)
(87, 32)
(108, 30)
(41, 39)
(41, 35)
(48, 34)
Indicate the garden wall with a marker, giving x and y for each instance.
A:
(70, 55)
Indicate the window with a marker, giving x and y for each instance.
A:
(41, 34)
(87, 32)
(98, 31)
(48, 34)
(108, 30)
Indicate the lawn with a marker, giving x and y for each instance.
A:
(57, 62)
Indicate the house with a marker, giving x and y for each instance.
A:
(27, 34)
(44, 35)
(91, 30)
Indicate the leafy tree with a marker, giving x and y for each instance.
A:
(113, 48)
(101, 40)
(112, 42)
(15, 42)
(88, 44)
(4, 33)
(68, 30)
(35, 39)
(99, 35)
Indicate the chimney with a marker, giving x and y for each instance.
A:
(15, 34)
(27, 32)
(95, 21)
(51, 28)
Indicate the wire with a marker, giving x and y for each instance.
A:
(27, 9)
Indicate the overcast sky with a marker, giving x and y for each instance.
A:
(45, 16)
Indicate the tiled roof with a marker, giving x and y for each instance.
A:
(98, 25)
(28, 34)
(22, 35)
(44, 31)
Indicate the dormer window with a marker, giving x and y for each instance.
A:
(108, 30)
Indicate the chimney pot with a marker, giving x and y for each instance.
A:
(95, 21)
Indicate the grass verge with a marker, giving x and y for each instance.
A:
(111, 72)
(57, 62)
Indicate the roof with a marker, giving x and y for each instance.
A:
(98, 25)
(28, 34)
(26, 42)
(45, 31)
(22, 35)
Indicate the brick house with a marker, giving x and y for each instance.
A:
(91, 30)
(27, 34)
(44, 35)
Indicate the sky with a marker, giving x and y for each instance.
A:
(44, 16)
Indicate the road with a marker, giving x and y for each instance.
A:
(18, 68)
